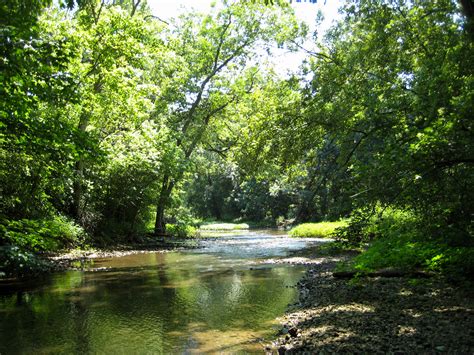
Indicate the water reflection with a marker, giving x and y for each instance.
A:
(149, 303)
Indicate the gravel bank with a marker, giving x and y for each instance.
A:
(376, 315)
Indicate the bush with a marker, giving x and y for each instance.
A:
(18, 263)
(316, 230)
(37, 235)
(181, 231)
(403, 241)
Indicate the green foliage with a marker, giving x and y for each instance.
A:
(316, 230)
(215, 73)
(181, 231)
(22, 240)
(52, 234)
(400, 105)
(15, 262)
(390, 222)
(336, 248)
(108, 116)
(403, 241)
(354, 235)
(224, 226)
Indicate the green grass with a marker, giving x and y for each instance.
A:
(316, 230)
(224, 227)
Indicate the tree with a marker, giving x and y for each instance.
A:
(393, 87)
(214, 52)
(35, 139)
(113, 41)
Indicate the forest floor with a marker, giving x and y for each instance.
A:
(376, 315)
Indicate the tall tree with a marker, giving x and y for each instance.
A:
(214, 51)
(393, 86)
(35, 79)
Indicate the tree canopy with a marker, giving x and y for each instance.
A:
(116, 123)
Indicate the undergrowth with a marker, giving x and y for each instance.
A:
(21, 241)
(403, 240)
(181, 230)
(316, 230)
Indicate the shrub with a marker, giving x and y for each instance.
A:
(41, 234)
(316, 230)
(15, 262)
(181, 230)
(403, 241)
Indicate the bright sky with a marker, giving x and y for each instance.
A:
(305, 11)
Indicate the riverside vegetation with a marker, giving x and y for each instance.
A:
(120, 125)
(120, 128)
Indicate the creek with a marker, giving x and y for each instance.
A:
(220, 297)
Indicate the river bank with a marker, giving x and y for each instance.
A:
(376, 315)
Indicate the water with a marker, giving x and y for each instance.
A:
(217, 298)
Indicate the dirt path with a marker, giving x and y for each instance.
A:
(377, 315)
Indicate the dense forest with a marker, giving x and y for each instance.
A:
(118, 125)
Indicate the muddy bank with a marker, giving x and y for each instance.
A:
(376, 315)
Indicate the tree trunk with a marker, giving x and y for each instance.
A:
(165, 193)
(77, 191)
(79, 175)
(160, 224)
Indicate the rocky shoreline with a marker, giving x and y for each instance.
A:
(395, 315)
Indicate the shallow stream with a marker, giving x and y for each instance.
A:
(220, 297)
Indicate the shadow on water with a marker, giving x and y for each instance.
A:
(210, 299)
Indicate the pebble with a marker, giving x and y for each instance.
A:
(375, 316)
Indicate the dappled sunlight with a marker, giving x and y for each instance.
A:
(187, 301)
(229, 341)
(141, 153)
(405, 292)
(388, 314)
(454, 309)
(412, 313)
(406, 330)
(330, 334)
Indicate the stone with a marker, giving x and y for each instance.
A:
(293, 332)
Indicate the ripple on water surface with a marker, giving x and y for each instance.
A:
(210, 299)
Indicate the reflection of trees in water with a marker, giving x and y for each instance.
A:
(245, 298)
(167, 300)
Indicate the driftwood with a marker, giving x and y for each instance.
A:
(382, 273)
